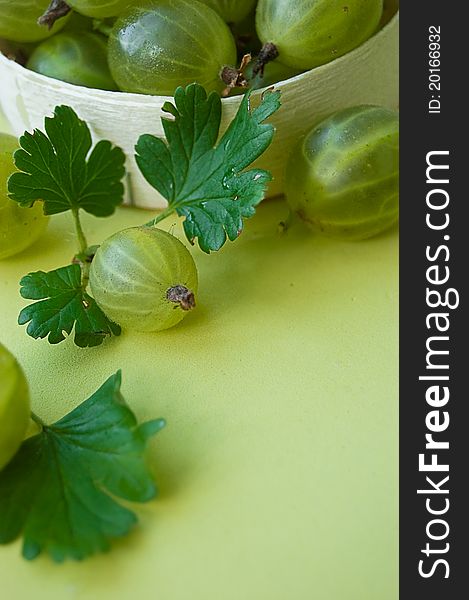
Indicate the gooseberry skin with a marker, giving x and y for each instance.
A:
(231, 11)
(309, 33)
(75, 57)
(19, 227)
(342, 179)
(154, 48)
(18, 20)
(100, 8)
(14, 406)
(132, 274)
(78, 23)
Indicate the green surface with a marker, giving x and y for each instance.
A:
(278, 466)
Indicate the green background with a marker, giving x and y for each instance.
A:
(278, 466)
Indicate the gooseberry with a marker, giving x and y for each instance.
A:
(14, 406)
(76, 57)
(154, 48)
(309, 34)
(18, 20)
(144, 279)
(342, 179)
(19, 227)
(231, 11)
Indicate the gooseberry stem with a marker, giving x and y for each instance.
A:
(56, 10)
(235, 77)
(268, 53)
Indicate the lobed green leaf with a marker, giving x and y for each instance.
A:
(59, 489)
(58, 168)
(204, 181)
(62, 305)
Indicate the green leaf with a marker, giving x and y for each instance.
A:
(59, 488)
(58, 168)
(63, 303)
(203, 181)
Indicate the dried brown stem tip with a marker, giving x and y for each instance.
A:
(55, 10)
(179, 294)
(267, 54)
(233, 77)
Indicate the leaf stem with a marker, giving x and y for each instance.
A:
(78, 228)
(38, 420)
(85, 266)
(167, 212)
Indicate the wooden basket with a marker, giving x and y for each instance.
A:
(367, 75)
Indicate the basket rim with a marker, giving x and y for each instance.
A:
(150, 100)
